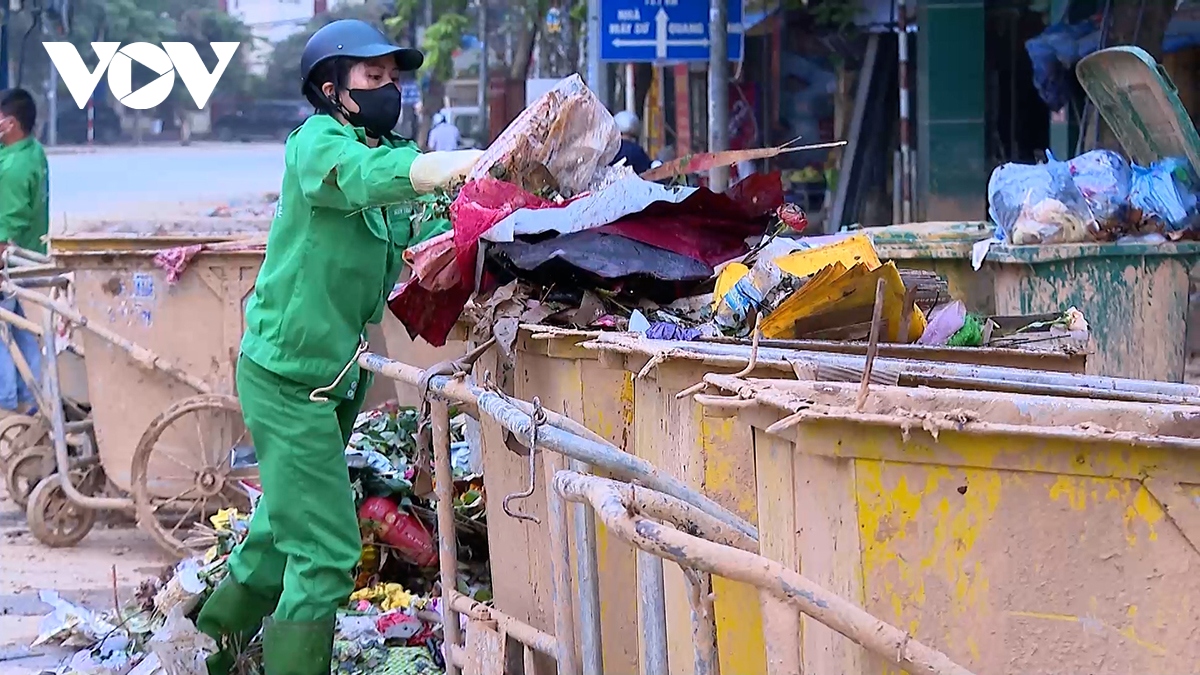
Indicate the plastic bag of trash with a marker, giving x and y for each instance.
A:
(1038, 204)
(567, 130)
(1167, 191)
(1103, 178)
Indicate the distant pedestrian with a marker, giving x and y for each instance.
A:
(631, 151)
(444, 136)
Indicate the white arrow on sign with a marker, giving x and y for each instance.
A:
(661, 42)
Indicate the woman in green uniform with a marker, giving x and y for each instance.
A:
(333, 255)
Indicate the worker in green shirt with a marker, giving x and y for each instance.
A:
(333, 255)
(24, 176)
(24, 219)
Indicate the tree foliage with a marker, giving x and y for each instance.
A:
(283, 68)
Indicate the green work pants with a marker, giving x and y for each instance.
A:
(303, 542)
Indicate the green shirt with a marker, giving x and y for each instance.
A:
(24, 195)
(334, 252)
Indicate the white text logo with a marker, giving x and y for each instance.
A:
(171, 58)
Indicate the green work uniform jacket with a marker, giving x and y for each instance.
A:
(334, 253)
(24, 195)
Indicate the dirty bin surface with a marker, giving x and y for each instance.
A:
(1134, 297)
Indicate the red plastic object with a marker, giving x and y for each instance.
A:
(399, 529)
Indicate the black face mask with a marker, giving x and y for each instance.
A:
(378, 109)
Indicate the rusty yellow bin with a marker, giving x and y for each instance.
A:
(1016, 533)
(625, 388)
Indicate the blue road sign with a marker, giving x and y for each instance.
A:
(656, 31)
(410, 93)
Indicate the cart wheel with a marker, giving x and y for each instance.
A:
(27, 470)
(53, 518)
(200, 474)
(18, 432)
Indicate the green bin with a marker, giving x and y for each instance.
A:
(945, 249)
(1134, 296)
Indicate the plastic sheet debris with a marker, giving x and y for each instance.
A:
(69, 624)
(110, 656)
(665, 330)
(638, 323)
(944, 322)
(604, 255)
(181, 648)
(184, 589)
(622, 198)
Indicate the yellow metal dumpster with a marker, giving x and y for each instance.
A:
(625, 388)
(1019, 533)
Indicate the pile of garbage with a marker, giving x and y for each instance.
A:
(392, 621)
(1097, 196)
(546, 232)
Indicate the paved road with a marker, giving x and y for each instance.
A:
(109, 180)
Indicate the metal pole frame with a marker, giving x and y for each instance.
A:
(715, 542)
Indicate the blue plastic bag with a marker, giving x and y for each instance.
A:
(1104, 179)
(1167, 191)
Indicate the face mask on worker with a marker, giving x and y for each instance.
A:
(378, 109)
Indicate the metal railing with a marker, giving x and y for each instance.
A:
(702, 537)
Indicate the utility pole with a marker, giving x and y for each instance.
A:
(718, 89)
(596, 73)
(4, 44)
(51, 99)
(484, 130)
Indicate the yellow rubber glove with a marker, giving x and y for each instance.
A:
(436, 170)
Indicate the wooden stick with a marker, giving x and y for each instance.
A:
(703, 161)
(872, 345)
(140, 355)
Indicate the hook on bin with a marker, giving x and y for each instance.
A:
(536, 419)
